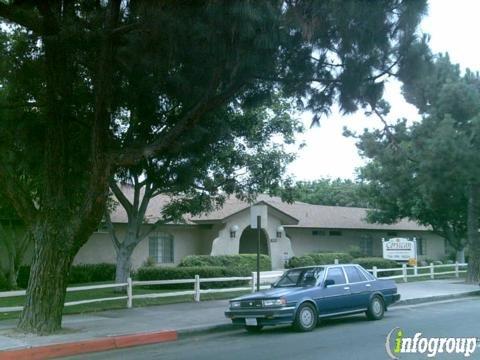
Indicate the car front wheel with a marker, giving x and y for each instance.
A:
(306, 318)
(376, 308)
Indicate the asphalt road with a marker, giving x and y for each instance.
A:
(347, 338)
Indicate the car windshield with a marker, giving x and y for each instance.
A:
(300, 277)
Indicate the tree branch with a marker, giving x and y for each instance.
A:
(130, 156)
(122, 199)
(21, 15)
(111, 230)
(19, 196)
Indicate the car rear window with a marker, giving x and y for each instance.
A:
(336, 274)
(354, 275)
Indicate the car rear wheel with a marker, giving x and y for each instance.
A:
(306, 318)
(254, 328)
(376, 308)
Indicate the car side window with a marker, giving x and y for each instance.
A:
(336, 274)
(369, 276)
(353, 274)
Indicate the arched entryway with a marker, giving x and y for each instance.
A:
(248, 242)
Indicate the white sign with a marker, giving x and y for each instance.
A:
(258, 210)
(399, 249)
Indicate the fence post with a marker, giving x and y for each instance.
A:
(457, 273)
(375, 272)
(254, 281)
(415, 270)
(336, 261)
(196, 288)
(129, 293)
(432, 271)
(404, 272)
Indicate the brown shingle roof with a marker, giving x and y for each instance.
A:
(308, 216)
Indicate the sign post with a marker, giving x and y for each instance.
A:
(257, 212)
(259, 229)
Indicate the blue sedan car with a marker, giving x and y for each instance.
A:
(302, 296)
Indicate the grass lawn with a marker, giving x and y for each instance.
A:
(114, 304)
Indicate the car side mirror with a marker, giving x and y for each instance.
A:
(329, 282)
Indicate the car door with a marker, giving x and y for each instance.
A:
(359, 288)
(334, 298)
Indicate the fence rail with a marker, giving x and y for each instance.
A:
(266, 278)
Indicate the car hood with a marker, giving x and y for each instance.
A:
(270, 293)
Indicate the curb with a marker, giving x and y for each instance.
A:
(435, 298)
(89, 346)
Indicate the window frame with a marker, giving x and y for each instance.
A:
(162, 258)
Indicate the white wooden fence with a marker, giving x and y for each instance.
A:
(266, 278)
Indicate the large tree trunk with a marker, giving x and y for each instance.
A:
(47, 285)
(124, 264)
(473, 274)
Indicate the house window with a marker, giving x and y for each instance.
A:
(367, 247)
(160, 248)
(318, 233)
(335, 233)
(420, 247)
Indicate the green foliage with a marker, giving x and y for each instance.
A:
(429, 171)
(381, 263)
(318, 259)
(246, 262)
(79, 274)
(355, 252)
(174, 273)
(338, 192)
(4, 285)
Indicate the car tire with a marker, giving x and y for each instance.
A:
(253, 329)
(376, 308)
(306, 318)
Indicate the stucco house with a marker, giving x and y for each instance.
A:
(291, 229)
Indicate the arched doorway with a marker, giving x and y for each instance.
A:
(248, 242)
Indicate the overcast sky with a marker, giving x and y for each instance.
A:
(453, 27)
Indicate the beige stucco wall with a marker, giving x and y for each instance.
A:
(187, 241)
(304, 242)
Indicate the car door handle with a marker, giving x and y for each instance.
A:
(346, 288)
(368, 285)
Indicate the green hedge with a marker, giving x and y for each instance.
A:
(247, 262)
(171, 273)
(79, 274)
(381, 263)
(318, 259)
(4, 286)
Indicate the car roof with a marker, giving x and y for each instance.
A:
(325, 266)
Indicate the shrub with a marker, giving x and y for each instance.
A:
(184, 272)
(319, 259)
(246, 262)
(79, 274)
(23, 275)
(355, 252)
(4, 285)
(381, 263)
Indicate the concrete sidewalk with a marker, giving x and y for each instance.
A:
(188, 317)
